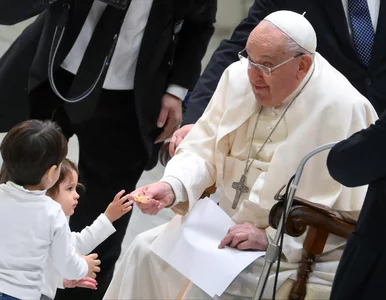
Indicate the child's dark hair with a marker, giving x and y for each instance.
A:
(30, 149)
(67, 167)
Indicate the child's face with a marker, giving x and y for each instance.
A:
(67, 196)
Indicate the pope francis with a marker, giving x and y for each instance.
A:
(281, 100)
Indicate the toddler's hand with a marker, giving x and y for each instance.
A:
(93, 264)
(87, 282)
(118, 207)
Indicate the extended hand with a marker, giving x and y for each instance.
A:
(118, 207)
(170, 116)
(245, 237)
(87, 282)
(177, 138)
(159, 194)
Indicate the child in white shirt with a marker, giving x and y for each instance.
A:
(64, 192)
(32, 226)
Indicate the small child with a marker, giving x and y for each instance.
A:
(32, 226)
(64, 192)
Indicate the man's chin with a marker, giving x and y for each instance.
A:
(264, 101)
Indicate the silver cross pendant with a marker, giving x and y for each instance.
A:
(240, 188)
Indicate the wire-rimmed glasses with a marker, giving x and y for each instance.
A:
(262, 68)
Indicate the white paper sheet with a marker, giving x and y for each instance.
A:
(190, 245)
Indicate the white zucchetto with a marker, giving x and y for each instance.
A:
(296, 26)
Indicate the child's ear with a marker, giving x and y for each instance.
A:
(50, 174)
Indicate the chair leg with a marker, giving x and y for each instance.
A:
(313, 245)
(298, 291)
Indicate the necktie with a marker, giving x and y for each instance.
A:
(362, 29)
(93, 60)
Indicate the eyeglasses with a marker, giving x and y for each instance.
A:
(264, 69)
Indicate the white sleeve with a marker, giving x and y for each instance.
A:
(193, 168)
(62, 252)
(91, 236)
(178, 189)
(178, 91)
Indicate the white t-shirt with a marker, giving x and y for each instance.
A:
(33, 227)
(84, 242)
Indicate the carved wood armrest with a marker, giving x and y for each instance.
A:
(301, 216)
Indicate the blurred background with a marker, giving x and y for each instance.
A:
(229, 14)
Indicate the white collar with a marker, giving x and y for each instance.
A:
(15, 186)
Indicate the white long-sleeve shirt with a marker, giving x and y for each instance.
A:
(33, 227)
(84, 242)
(120, 75)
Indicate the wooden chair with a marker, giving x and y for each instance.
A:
(320, 221)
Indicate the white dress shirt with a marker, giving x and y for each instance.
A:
(120, 75)
(374, 12)
(84, 242)
(33, 227)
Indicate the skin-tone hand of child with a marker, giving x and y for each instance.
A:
(93, 264)
(87, 282)
(118, 207)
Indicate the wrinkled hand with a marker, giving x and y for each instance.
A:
(245, 237)
(118, 207)
(177, 138)
(87, 282)
(160, 194)
(170, 116)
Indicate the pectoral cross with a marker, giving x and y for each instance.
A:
(240, 188)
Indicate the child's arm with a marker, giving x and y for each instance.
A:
(63, 254)
(90, 237)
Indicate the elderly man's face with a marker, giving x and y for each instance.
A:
(267, 46)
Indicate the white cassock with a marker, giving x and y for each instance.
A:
(327, 108)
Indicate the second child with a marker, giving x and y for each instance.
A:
(65, 193)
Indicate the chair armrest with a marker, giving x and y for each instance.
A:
(301, 215)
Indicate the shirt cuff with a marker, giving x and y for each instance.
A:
(106, 224)
(176, 90)
(178, 189)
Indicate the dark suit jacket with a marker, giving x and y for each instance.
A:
(334, 43)
(357, 161)
(25, 64)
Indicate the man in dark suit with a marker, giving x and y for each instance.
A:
(158, 46)
(336, 23)
(358, 161)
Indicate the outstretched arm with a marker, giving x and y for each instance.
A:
(360, 159)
